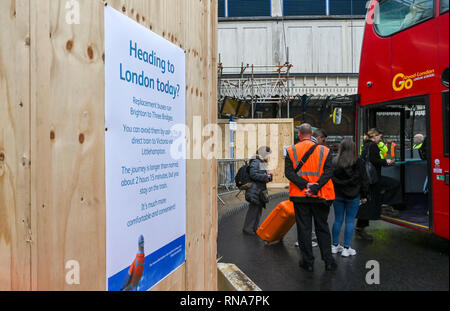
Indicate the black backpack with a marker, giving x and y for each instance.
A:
(242, 179)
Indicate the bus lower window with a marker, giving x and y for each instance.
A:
(393, 16)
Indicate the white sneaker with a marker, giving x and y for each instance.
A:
(314, 244)
(336, 249)
(347, 252)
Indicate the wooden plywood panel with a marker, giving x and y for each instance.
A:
(67, 118)
(210, 97)
(67, 76)
(52, 112)
(194, 121)
(15, 250)
(253, 134)
(201, 110)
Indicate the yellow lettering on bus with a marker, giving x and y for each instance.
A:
(406, 82)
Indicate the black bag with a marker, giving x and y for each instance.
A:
(371, 171)
(242, 179)
(264, 196)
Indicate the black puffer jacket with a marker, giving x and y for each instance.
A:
(351, 182)
(372, 210)
(259, 179)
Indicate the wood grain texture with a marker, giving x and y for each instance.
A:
(254, 133)
(61, 86)
(68, 192)
(15, 250)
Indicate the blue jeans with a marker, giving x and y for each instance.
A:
(347, 209)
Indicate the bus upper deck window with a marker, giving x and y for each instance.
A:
(393, 16)
(444, 6)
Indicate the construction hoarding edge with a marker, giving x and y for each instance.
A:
(52, 141)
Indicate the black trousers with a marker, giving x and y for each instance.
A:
(362, 223)
(305, 214)
(391, 191)
(251, 223)
(388, 191)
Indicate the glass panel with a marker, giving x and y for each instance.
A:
(362, 128)
(249, 8)
(389, 123)
(221, 8)
(304, 7)
(416, 131)
(393, 16)
(344, 7)
(318, 115)
(444, 6)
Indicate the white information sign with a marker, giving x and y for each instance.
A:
(145, 186)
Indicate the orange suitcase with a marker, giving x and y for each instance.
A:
(278, 223)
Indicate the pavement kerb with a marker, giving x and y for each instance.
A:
(231, 278)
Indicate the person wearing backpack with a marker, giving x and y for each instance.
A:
(351, 187)
(257, 194)
(372, 209)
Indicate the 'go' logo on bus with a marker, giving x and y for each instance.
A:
(403, 84)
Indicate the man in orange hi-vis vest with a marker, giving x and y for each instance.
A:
(392, 147)
(137, 268)
(309, 168)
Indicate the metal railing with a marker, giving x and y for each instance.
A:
(226, 172)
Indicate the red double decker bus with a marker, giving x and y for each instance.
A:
(404, 91)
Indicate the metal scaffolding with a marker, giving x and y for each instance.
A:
(256, 89)
(275, 85)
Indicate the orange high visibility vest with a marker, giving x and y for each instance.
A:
(393, 146)
(137, 268)
(311, 170)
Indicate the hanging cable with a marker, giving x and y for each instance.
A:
(284, 33)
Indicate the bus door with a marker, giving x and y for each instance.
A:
(405, 127)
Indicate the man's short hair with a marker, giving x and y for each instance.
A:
(305, 129)
(320, 133)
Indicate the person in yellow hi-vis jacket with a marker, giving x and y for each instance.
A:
(383, 150)
(419, 147)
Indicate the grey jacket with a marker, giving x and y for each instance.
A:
(259, 179)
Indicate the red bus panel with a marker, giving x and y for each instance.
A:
(407, 63)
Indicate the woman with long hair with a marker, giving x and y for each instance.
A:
(351, 187)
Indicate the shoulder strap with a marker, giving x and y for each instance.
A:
(306, 158)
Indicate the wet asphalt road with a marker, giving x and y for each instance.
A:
(409, 260)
